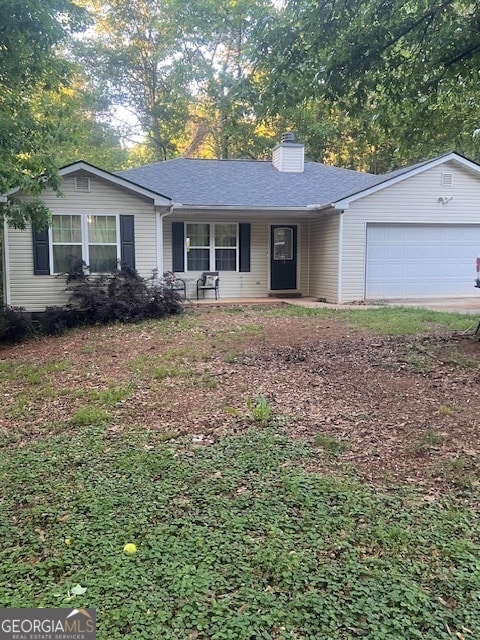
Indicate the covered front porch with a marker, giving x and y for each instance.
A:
(257, 255)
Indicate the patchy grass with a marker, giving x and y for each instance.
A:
(426, 442)
(111, 396)
(446, 410)
(393, 321)
(90, 415)
(331, 446)
(461, 472)
(32, 374)
(402, 321)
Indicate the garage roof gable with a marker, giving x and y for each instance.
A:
(393, 177)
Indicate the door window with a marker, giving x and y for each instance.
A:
(283, 243)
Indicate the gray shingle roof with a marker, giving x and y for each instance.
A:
(249, 183)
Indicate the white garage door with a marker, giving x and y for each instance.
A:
(409, 260)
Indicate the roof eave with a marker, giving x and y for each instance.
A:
(240, 207)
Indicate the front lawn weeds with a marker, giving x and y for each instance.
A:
(331, 446)
(234, 541)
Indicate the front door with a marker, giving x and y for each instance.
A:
(283, 257)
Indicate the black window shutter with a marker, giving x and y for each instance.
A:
(244, 243)
(127, 241)
(41, 253)
(178, 246)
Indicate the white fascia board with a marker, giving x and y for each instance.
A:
(159, 200)
(220, 207)
(324, 207)
(343, 204)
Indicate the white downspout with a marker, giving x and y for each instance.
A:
(7, 294)
(160, 217)
(340, 260)
(309, 254)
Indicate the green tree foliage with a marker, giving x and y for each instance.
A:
(132, 55)
(403, 73)
(366, 84)
(83, 120)
(219, 43)
(31, 34)
(184, 70)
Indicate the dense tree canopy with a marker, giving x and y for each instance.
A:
(184, 69)
(406, 72)
(31, 34)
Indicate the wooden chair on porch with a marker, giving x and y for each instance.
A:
(209, 280)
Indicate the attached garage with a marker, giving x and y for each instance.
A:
(419, 260)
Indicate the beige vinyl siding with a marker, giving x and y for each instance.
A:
(34, 293)
(324, 253)
(414, 200)
(303, 270)
(288, 158)
(256, 282)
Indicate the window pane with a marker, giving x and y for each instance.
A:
(66, 257)
(225, 260)
(66, 229)
(102, 229)
(225, 235)
(199, 235)
(102, 258)
(283, 243)
(198, 260)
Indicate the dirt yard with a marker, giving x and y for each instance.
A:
(397, 410)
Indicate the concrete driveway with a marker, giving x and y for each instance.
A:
(470, 304)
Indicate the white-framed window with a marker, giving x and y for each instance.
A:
(93, 239)
(211, 246)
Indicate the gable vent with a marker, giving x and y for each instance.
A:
(81, 183)
(446, 179)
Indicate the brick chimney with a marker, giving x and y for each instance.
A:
(288, 155)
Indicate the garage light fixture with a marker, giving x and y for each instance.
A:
(445, 199)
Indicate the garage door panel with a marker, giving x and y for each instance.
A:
(406, 261)
(413, 251)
